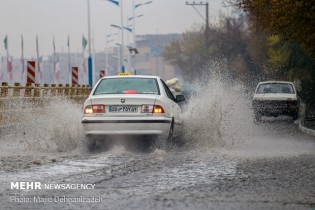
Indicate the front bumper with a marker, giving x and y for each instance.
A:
(126, 125)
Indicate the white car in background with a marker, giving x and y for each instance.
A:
(274, 98)
(131, 105)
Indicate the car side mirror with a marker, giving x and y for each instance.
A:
(180, 98)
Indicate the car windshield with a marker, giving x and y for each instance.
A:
(275, 88)
(127, 86)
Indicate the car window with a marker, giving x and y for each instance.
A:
(127, 86)
(275, 88)
(168, 92)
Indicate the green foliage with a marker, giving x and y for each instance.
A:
(291, 48)
(278, 53)
(188, 53)
(294, 20)
(267, 44)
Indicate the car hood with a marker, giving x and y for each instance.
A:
(275, 96)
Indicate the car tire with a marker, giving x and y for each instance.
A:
(257, 117)
(178, 140)
(146, 143)
(171, 133)
(90, 143)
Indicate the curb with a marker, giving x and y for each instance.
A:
(306, 130)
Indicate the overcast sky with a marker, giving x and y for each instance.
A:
(58, 18)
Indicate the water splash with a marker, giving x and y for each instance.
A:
(219, 115)
(53, 127)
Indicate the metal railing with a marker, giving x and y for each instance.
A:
(36, 91)
(17, 99)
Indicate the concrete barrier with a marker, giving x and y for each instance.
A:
(305, 115)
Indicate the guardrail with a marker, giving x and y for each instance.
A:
(16, 99)
(36, 91)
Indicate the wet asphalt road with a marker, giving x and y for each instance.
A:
(274, 170)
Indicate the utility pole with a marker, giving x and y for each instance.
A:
(207, 29)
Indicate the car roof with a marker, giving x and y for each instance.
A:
(132, 76)
(273, 81)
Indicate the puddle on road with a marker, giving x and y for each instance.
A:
(275, 140)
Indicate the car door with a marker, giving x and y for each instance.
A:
(175, 107)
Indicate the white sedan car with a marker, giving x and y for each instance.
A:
(131, 105)
(274, 98)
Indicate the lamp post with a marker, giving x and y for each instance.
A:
(134, 6)
(90, 71)
(122, 57)
(122, 38)
(108, 40)
(120, 3)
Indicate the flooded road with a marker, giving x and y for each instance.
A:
(227, 162)
(271, 171)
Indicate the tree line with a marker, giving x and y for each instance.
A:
(266, 40)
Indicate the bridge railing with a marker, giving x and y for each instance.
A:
(37, 91)
(17, 99)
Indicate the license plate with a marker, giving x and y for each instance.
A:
(123, 109)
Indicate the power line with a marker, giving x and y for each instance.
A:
(207, 29)
(202, 17)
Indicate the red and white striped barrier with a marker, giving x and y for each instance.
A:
(75, 75)
(31, 72)
(102, 73)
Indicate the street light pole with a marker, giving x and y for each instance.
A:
(121, 49)
(108, 40)
(122, 38)
(133, 59)
(134, 6)
(90, 71)
(134, 24)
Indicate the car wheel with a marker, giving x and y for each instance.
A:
(90, 143)
(257, 117)
(178, 140)
(146, 143)
(171, 132)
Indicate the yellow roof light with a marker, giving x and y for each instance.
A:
(124, 74)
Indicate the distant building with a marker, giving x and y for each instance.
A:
(150, 58)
